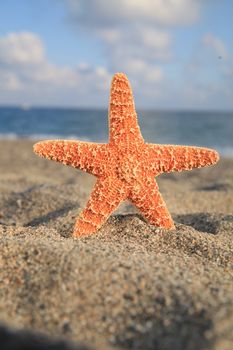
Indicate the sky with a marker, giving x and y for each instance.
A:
(178, 54)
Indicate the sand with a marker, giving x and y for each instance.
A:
(131, 286)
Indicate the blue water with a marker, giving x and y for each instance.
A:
(208, 129)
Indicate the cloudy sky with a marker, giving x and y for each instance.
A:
(178, 54)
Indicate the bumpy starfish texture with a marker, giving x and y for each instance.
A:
(126, 167)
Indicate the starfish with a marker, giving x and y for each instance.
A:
(125, 167)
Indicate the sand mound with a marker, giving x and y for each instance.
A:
(132, 285)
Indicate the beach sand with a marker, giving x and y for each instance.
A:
(130, 286)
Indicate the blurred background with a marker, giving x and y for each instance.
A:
(57, 59)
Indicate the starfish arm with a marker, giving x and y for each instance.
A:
(105, 198)
(123, 124)
(86, 156)
(147, 198)
(168, 158)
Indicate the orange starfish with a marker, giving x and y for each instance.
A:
(125, 167)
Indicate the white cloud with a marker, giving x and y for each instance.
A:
(27, 75)
(135, 35)
(9, 81)
(21, 48)
(141, 42)
(26, 72)
(22, 56)
(105, 12)
(143, 72)
(137, 52)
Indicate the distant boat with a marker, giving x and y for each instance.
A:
(25, 106)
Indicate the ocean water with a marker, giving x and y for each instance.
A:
(207, 129)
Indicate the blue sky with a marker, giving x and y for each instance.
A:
(178, 54)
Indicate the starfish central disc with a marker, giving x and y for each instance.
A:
(128, 169)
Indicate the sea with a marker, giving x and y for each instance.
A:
(200, 128)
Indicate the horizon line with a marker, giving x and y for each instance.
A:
(27, 107)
